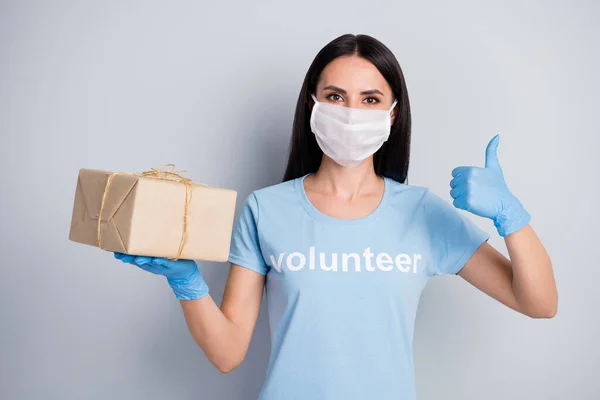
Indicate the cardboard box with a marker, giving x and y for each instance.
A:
(144, 215)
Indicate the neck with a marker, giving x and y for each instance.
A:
(346, 182)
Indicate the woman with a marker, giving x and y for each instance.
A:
(344, 246)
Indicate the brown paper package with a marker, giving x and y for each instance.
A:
(145, 216)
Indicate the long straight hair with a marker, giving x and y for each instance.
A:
(391, 160)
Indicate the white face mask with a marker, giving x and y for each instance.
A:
(349, 135)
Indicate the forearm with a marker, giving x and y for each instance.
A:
(533, 281)
(221, 340)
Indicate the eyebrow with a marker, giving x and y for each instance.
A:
(337, 89)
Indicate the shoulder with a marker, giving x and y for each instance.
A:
(277, 192)
(404, 194)
(420, 199)
(273, 196)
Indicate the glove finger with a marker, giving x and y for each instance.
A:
(141, 260)
(457, 192)
(458, 171)
(467, 171)
(164, 262)
(457, 181)
(127, 258)
(148, 266)
(145, 267)
(118, 255)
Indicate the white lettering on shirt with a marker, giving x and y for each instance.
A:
(329, 262)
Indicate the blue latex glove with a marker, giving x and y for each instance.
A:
(183, 275)
(483, 191)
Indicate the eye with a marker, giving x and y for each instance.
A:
(372, 100)
(334, 97)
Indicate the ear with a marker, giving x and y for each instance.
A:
(393, 115)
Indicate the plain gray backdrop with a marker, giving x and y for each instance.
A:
(211, 87)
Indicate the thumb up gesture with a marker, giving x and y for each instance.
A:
(483, 192)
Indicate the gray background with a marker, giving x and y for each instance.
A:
(211, 87)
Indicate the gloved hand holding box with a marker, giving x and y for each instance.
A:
(156, 213)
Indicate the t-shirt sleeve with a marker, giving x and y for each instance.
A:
(454, 237)
(245, 247)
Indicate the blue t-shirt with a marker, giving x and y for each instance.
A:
(342, 294)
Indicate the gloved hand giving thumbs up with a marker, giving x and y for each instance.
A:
(483, 191)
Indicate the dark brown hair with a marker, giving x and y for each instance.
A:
(391, 160)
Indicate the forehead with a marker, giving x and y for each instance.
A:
(353, 73)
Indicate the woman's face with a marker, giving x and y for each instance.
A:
(352, 81)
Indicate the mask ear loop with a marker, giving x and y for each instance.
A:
(314, 109)
(390, 118)
(315, 106)
(390, 110)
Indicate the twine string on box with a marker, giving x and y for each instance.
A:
(156, 173)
